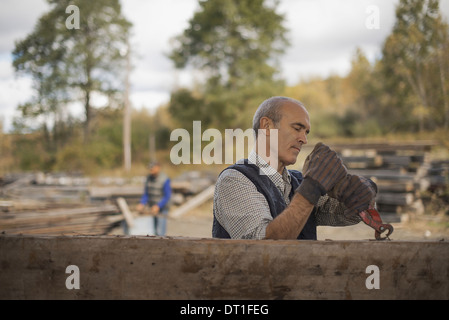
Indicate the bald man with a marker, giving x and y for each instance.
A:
(258, 198)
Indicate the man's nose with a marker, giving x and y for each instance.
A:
(303, 138)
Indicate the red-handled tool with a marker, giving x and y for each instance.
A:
(372, 218)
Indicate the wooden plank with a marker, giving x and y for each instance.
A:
(114, 192)
(395, 161)
(126, 212)
(362, 162)
(385, 174)
(399, 199)
(392, 186)
(193, 202)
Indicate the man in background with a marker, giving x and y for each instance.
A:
(156, 195)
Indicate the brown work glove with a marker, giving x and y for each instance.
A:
(357, 193)
(322, 169)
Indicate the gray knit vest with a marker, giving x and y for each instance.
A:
(155, 189)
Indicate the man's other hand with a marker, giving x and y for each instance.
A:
(356, 192)
(322, 169)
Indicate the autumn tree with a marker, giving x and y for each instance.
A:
(413, 66)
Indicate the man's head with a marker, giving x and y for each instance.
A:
(270, 109)
(291, 119)
(154, 168)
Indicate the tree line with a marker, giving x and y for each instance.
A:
(236, 45)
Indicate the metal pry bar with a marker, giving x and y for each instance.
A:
(372, 218)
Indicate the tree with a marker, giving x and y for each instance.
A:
(364, 88)
(235, 43)
(412, 62)
(67, 62)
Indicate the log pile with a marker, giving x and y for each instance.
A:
(42, 204)
(96, 220)
(57, 204)
(401, 172)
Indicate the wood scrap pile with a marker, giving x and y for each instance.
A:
(97, 220)
(71, 204)
(400, 170)
(29, 207)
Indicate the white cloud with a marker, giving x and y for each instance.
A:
(324, 35)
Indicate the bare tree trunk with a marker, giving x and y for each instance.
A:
(88, 116)
(443, 89)
(152, 142)
(127, 118)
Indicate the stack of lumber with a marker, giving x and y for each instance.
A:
(71, 204)
(97, 220)
(25, 186)
(42, 204)
(400, 170)
(434, 176)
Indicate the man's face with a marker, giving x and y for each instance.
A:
(292, 132)
(154, 170)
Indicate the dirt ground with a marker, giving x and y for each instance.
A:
(198, 224)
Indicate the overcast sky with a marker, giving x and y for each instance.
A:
(323, 36)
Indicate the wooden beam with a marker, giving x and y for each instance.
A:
(141, 267)
(126, 212)
(399, 199)
(193, 202)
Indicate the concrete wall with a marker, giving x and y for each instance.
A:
(121, 267)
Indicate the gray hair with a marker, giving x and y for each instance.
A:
(270, 108)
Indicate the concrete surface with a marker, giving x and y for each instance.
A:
(134, 267)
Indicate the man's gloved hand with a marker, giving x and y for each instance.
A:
(357, 193)
(322, 169)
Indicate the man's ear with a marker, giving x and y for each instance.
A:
(266, 124)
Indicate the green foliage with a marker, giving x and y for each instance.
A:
(88, 158)
(230, 38)
(407, 90)
(325, 125)
(66, 64)
(30, 153)
(145, 125)
(186, 108)
(413, 68)
(236, 44)
(73, 157)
